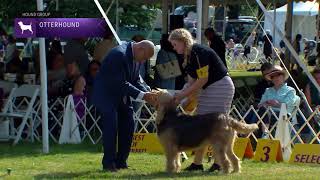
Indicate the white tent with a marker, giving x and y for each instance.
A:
(304, 20)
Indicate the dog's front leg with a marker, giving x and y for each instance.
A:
(178, 162)
(171, 166)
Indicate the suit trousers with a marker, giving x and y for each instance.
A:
(118, 128)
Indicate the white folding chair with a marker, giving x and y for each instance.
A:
(20, 105)
(4, 125)
(7, 86)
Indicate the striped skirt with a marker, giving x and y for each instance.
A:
(217, 97)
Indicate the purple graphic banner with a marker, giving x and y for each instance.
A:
(59, 27)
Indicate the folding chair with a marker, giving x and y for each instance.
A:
(4, 125)
(18, 106)
(7, 86)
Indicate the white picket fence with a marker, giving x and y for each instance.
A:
(306, 131)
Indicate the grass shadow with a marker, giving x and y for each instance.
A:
(156, 175)
(35, 149)
(126, 174)
(59, 175)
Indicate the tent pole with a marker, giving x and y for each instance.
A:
(107, 11)
(288, 30)
(117, 16)
(44, 97)
(57, 5)
(205, 15)
(199, 21)
(224, 22)
(164, 16)
(318, 23)
(274, 20)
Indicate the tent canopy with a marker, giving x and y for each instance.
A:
(301, 9)
(304, 20)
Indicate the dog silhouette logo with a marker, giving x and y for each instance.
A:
(25, 27)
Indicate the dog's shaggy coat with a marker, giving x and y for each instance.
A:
(180, 132)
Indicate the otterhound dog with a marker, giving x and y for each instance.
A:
(179, 132)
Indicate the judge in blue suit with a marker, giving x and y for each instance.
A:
(117, 80)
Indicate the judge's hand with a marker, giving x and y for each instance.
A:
(151, 98)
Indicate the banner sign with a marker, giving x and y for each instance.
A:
(59, 27)
(146, 142)
(306, 154)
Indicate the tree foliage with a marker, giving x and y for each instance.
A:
(138, 16)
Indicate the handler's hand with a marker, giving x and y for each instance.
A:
(151, 98)
(178, 97)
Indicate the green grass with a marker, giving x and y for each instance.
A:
(83, 162)
(242, 73)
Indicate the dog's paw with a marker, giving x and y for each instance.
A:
(236, 171)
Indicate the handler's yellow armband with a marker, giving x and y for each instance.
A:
(203, 72)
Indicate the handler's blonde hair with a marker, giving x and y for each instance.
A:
(186, 37)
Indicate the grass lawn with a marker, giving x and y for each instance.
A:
(83, 162)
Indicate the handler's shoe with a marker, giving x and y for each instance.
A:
(214, 167)
(195, 167)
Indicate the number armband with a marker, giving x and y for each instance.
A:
(203, 72)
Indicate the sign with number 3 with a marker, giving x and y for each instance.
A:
(268, 151)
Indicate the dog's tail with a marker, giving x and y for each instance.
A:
(241, 127)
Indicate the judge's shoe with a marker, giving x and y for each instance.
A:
(110, 168)
(122, 166)
(195, 167)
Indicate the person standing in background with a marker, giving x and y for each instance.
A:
(165, 55)
(216, 43)
(103, 47)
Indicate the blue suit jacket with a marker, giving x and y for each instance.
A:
(117, 78)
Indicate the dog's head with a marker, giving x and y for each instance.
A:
(165, 102)
(20, 23)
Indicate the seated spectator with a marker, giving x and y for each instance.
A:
(93, 69)
(15, 64)
(1, 98)
(75, 51)
(56, 68)
(68, 84)
(66, 87)
(274, 96)
(263, 84)
(260, 88)
(313, 97)
(10, 49)
(311, 92)
(78, 95)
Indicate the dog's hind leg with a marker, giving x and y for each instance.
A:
(221, 157)
(233, 158)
